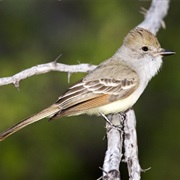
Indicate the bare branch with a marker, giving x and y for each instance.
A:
(114, 152)
(154, 16)
(45, 68)
(131, 146)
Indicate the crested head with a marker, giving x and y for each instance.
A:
(139, 36)
(141, 51)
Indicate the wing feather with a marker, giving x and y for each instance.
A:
(98, 89)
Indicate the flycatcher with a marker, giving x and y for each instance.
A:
(114, 86)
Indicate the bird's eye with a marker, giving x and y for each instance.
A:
(145, 48)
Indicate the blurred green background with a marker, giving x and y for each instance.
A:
(34, 32)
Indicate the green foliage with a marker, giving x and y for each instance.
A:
(34, 32)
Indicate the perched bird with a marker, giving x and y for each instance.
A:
(114, 86)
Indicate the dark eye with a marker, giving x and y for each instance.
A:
(145, 48)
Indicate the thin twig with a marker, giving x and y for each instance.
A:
(45, 68)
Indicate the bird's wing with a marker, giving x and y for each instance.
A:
(97, 91)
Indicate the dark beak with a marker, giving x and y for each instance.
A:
(165, 52)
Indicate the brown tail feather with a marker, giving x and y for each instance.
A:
(42, 114)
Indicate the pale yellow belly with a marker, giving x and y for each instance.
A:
(115, 107)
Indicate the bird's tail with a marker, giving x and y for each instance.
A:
(50, 111)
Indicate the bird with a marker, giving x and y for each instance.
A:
(113, 86)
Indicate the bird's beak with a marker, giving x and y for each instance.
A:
(164, 52)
